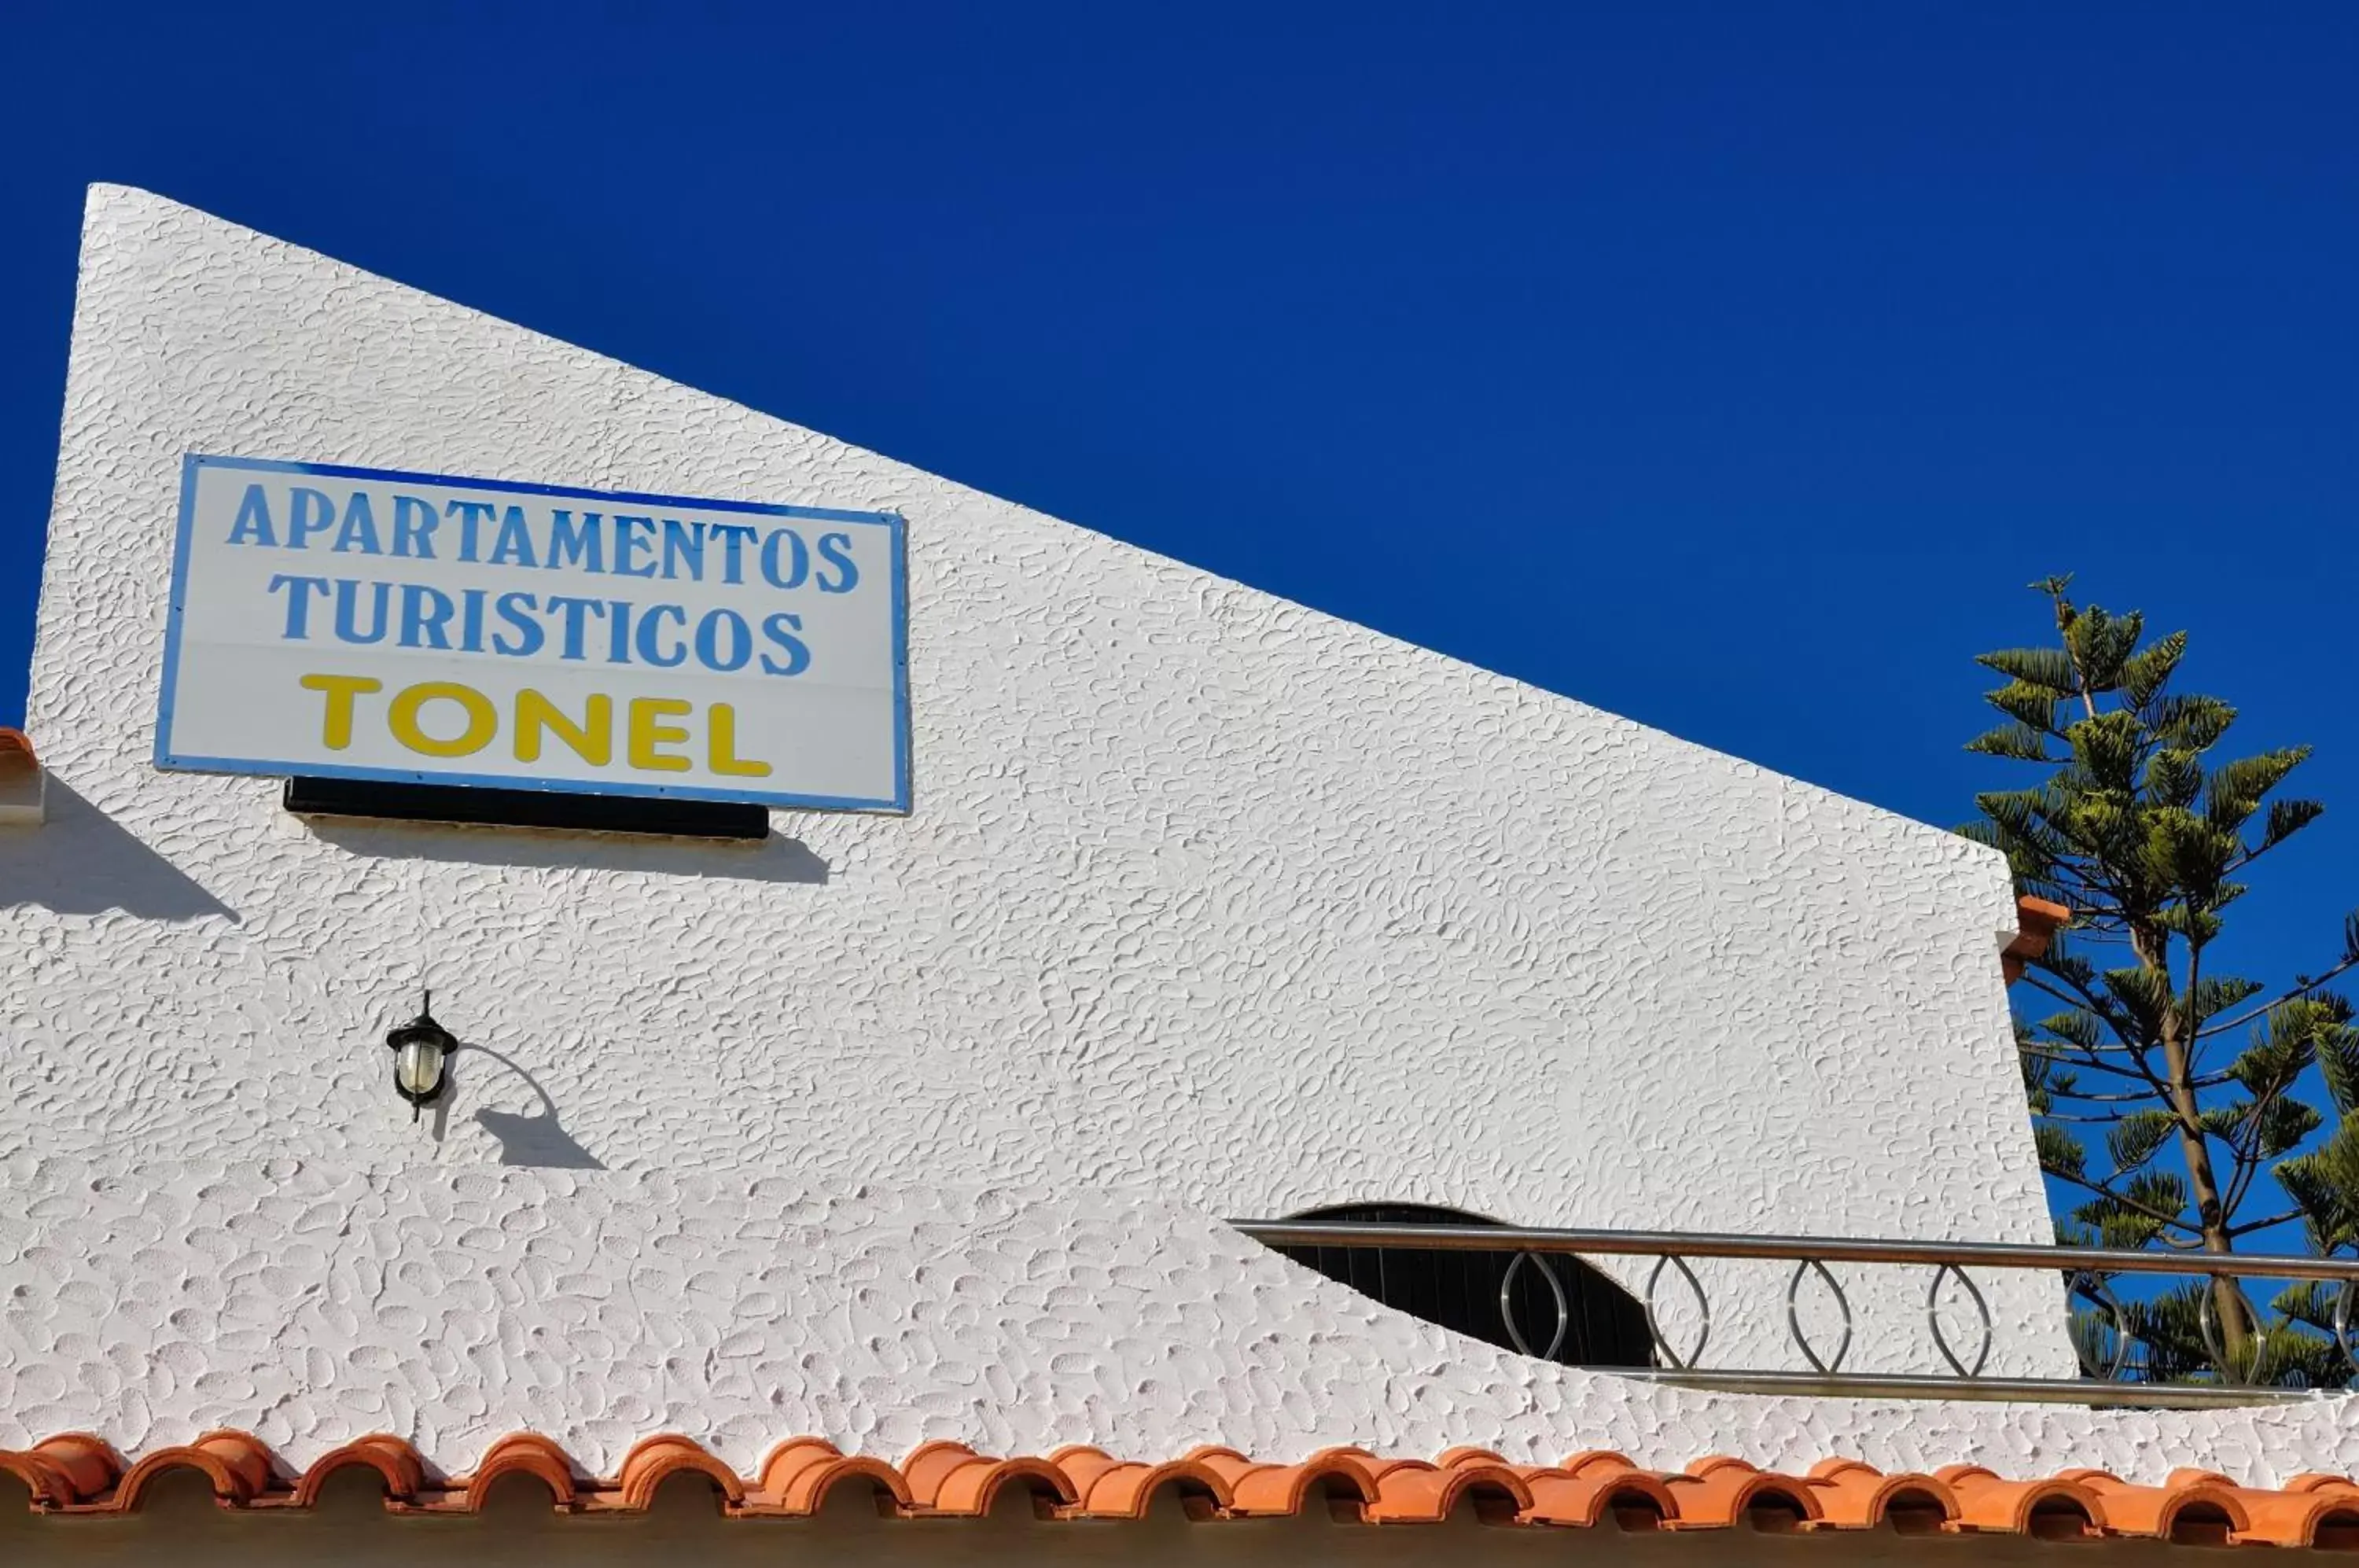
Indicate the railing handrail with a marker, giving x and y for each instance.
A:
(1789, 1248)
(2083, 1269)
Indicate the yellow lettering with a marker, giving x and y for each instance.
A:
(650, 734)
(646, 733)
(723, 750)
(336, 728)
(592, 740)
(483, 720)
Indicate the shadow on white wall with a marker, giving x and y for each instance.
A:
(537, 1139)
(83, 862)
(774, 859)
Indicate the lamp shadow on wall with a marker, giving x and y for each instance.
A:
(539, 1140)
(774, 859)
(81, 861)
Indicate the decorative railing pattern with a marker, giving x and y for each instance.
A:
(2108, 1379)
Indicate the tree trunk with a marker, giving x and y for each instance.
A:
(2232, 1313)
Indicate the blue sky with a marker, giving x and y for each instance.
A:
(1730, 367)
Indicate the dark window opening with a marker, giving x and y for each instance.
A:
(1603, 1325)
(562, 810)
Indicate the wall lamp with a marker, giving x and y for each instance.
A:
(422, 1058)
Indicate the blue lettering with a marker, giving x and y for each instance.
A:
(708, 640)
(734, 538)
(836, 549)
(792, 578)
(650, 625)
(573, 611)
(583, 546)
(311, 512)
(515, 610)
(359, 532)
(252, 524)
(627, 545)
(298, 603)
(472, 516)
(780, 629)
(470, 620)
(348, 628)
(424, 613)
(414, 522)
(513, 547)
(683, 542)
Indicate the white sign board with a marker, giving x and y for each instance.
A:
(357, 623)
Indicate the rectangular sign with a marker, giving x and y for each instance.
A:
(359, 622)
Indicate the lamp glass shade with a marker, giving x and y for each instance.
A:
(418, 1067)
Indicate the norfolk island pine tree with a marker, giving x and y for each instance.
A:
(2142, 827)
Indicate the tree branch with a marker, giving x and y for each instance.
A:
(2130, 1204)
(2081, 997)
(2213, 1082)
(2249, 1154)
(2248, 1159)
(2087, 1051)
(2086, 1065)
(2265, 1008)
(2135, 1053)
(2273, 1221)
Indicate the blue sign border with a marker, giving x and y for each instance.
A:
(165, 757)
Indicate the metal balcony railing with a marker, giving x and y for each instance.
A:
(2121, 1378)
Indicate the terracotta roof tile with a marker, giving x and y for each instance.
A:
(800, 1474)
(951, 1478)
(2053, 1508)
(237, 1463)
(1852, 1496)
(1718, 1491)
(399, 1468)
(21, 779)
(61, 1472)
(2309, 1511)
(655, 1460)
(1282, 1489)
(76, 1474)
(524, 1454)
(2037, 921)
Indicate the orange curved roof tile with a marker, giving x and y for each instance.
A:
(2309, 1511)
(953, 1479)
(74, 1473)
(524, 1454)
(64, 1470)
(2037, 921)
(1852, 1496)
(399, 1470)
(1720, 1490)
(238, 1464)
(1112, 1488)
(652, 1461)
(799, 1472)
(2054, 1508)
(1283, 1489)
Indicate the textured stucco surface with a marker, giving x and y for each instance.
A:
(1207, 898)
(312, 1304)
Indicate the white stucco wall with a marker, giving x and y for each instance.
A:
(312, 1304)
(1206, 895)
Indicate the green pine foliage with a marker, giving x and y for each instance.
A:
(2190, 1084)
